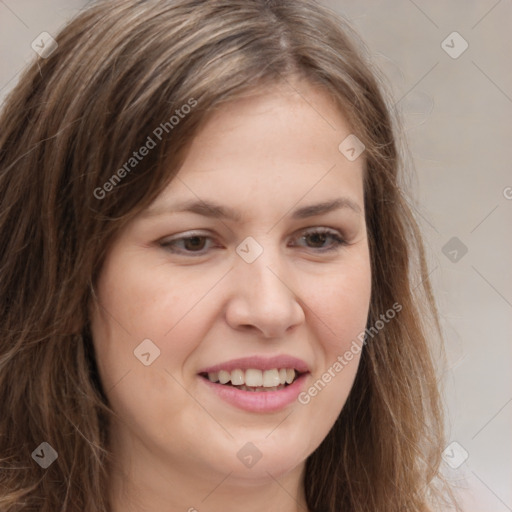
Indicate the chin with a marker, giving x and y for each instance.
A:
(255, 456)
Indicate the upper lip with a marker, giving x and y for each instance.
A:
(259, 363)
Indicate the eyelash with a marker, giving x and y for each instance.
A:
(338, 241)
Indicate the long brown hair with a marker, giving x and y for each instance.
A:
(122, 68)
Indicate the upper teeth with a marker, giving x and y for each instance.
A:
(254, 378)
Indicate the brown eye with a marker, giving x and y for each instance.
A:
(322, 240)
(193, 245)
(317, 239)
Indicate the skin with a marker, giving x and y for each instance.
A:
(176, 441)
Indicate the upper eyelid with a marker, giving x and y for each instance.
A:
(314, 229)
(300, 233)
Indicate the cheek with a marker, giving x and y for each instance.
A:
(142, 298)
(132, 311)
(340, 303)
(339, 307)
(138, 301)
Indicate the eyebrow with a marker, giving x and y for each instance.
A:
(216, 211)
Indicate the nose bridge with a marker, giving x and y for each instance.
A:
(262, 298)
(264, 265)
(262, 275)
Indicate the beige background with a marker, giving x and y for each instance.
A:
(458, 118)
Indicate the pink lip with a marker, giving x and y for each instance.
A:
(259, 363)
(258, 401)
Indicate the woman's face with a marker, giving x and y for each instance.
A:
(236, 271)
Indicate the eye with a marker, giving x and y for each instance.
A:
(194, 244)
(198, 244)
(318, 238)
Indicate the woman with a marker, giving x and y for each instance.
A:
(208, 271)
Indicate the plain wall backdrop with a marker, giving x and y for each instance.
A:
(449, 69)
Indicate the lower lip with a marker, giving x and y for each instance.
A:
(258, 401)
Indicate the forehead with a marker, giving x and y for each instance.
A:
(290, 117)
(278, 143)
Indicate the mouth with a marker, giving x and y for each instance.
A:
(254, 379)
(257, 384)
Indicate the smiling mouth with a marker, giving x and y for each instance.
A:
(253, 379)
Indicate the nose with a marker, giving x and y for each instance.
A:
(262, 297)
